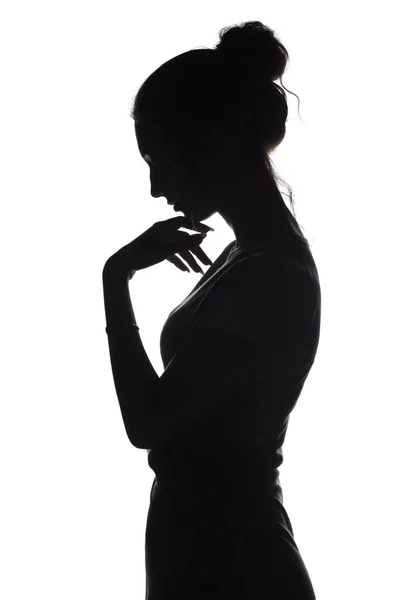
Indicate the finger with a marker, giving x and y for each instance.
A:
(191, 261)
(177, 222)
(201, 255)
(178, 263)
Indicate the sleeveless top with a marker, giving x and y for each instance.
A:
(223, 469)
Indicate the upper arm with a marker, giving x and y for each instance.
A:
(234, 331)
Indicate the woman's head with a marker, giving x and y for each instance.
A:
(209, 118)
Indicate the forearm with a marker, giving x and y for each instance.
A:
(135, 378)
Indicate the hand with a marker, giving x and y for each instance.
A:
(160, 242)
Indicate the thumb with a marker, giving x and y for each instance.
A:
(198, 237)
(191, 241)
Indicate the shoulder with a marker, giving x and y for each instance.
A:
(261, 271)
(254, 291)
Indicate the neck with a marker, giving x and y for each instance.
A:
(258, 214)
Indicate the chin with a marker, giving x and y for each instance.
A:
(181, 209)
(197, 214)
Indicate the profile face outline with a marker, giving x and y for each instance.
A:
(169, 180)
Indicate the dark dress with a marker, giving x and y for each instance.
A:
(216, 527)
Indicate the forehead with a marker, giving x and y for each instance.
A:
(147, 134)
(145, 140)
(150, 140)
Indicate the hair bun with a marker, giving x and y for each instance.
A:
(254, 48)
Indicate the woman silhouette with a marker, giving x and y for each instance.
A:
(206, 122)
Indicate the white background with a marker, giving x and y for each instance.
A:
(74, 189)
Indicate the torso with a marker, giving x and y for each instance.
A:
(229, 255)
(219, 262)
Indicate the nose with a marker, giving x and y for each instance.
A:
(156, 194)
(155, 187)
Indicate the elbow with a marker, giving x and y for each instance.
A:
(139, 440)
(131, 435)
(137, 425)
(137, 437)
